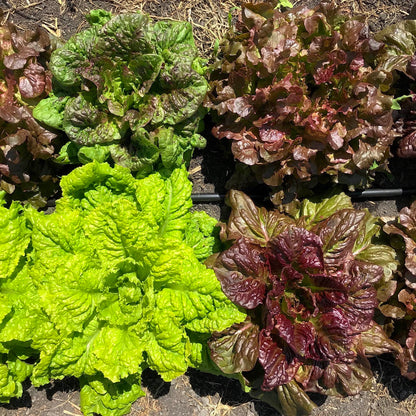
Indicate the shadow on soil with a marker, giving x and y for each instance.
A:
(228, 390)
(209, 385)
(231, 393)
(388, 374)
(67, 385)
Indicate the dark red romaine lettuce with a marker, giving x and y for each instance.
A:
(299, 96)
(310, 282)
(25, 146)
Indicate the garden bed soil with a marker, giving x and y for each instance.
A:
(196, 393)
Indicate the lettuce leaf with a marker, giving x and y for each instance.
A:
(128, 90)
(398, 63)
(14, 238)
(309, 279)
(26, 147)
(400, 309)
(111, 283)
(298, 94)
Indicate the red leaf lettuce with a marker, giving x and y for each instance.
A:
(299, 96)
(398, 65)
(401, 308)
(25, 146)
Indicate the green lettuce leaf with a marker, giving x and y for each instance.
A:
(128, 90)
(314, 212)
(100, 396)
(111, 284)
(399, 38)
(12, 373)
(14, 238)
(200, 234)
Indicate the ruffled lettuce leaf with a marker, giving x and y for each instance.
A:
(398, 64)
(128, 90)
(400, 310)
(399, 39)
(12, 373)
(328, 120)
(112, 285)
(14, 238)
(311, 291)
(201, 235)
(98, 395)
(26, 147)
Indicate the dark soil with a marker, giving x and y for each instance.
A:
(196, 393)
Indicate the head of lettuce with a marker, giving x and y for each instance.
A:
(127, 90)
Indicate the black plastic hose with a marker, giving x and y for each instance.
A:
(366, 194)
(381, 193)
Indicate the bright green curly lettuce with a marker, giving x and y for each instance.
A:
(111, 284)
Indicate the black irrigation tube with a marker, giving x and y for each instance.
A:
(381, 193)
(367, 194)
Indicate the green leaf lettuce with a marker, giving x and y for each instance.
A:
(112, 284)
(128, 90)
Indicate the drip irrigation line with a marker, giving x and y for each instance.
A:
(381, 193)
(367, 194)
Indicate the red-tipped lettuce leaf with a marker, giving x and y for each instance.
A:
(236, 350)
(26, 147)
(243, 274)
(327, 119)
(407, 360)
(318, 293)
(129, 90)
(251, 222)
(401, 309)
